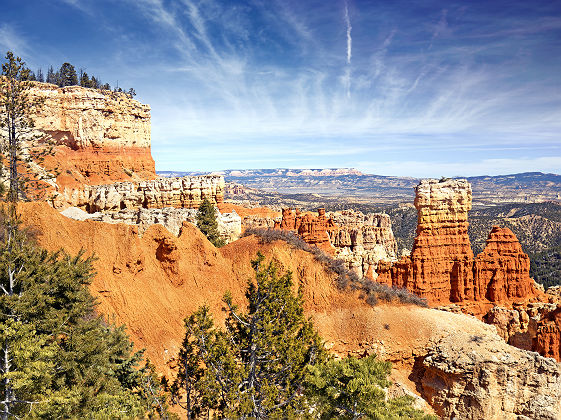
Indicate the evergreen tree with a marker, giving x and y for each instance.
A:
(94, 83)
(26, 368)
(58, 358)
(19, 145)
(51, 76)
(354, 389)
(85, 80)
(206, 222)
(256, 366)
(67, 75)
(40, 77)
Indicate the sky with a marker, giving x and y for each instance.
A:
(406, 88)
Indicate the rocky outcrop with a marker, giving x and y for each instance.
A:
(442, 268)
(100, 136)
(548, 337)
(151, 282)
(481, 377)
(360, 240)
(363, 240)
(502, 269)
(186, 192)
(314, 230)
(229, 224)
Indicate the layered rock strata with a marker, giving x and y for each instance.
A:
(442, 268)
(99, 136)
(186, 192)
(359, 240)
(314, 230)
(229, 224)
(362, 240)
(481, 377)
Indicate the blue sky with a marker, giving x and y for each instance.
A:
(388, 87)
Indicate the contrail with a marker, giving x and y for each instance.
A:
(349, 29)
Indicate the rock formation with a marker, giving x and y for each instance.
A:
(548, 337)
(100, 136)
(359, 240)
(229, 224)
(186, 192)
(481, 377)
(442, 268)
(362, 240)
(151, 283)
(313, 229)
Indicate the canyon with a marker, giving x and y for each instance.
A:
(456, 363)
(153, 267)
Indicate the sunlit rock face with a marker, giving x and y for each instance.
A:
(442, 268)
(99, 136)
(359, 240)
(185, 192)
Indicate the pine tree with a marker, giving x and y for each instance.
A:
(206, 222)
(355, 389)
(40, 77)
(85, 80)
(256, 366)
(20, 146)
(67, 75)
(51, 77)
(26, 368)
(83, 367)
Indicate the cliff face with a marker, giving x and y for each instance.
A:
(481, 377)
(186, 192)
(313, 229)
(362, 240)
(442, 267)
(100, 136)
(359, 240)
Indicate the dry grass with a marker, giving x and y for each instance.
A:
(371, 291)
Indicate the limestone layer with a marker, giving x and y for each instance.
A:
(100, 136)
(442, 267)
(186, 192)
(363, 240)
(229, 224)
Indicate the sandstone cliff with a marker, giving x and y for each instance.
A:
(100, 136)
(442, 267)
(363, 240)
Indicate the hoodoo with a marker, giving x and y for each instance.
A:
(442, 267)
(359, 240)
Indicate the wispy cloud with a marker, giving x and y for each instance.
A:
(271, 78)
(13, 41)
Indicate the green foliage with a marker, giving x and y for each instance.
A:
(355, 389)
(86, 365)
(206, 222)
(545, 267)
(68, 76)
(254, 368)
(26, 366)
(19, 145)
